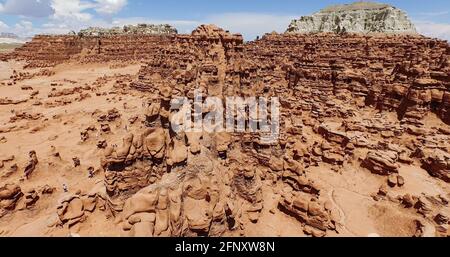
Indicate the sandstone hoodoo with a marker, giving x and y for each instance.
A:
(89, 143)
(358, 17)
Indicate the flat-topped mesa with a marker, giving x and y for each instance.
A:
(136, 43)
(357, 6)
(140, 29)
(359, 17)
(130, 43)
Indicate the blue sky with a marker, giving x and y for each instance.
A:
(249, 17)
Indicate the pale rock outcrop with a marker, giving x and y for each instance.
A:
(359, 17)
(140, 29)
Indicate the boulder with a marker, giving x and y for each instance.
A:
(381, 163)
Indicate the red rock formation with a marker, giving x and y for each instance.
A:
(9, 196)
(47, 51)
(202, 184)
(403, 73)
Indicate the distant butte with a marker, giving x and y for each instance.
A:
(358, 17)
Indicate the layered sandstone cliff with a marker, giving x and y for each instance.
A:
(359, 17)
(407, 74)
(50, 50)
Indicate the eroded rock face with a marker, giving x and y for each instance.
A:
(76, 208)
(10, 194)
(50, 50)
(378, 75)
(193, 203)
(437, 163)
(381, 163)
(412, 89)
(359, 17)
(350, 104)
(307, 209)
(31, 166)
(129, 168)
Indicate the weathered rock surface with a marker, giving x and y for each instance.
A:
(351, 105)
(9, 196)
(359, 17)
(437, 163)
(140, 29)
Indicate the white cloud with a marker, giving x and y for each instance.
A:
(72, 9)
(109, 7)
(24, 25)
(251, 25)
(73, 15)
(433, 29)
(24, 28)
(62, 9)
(3, 26)
(81, 10)
(29, 8)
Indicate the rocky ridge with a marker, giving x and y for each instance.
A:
(139, 29)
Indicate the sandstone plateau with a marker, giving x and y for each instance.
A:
(86, 146)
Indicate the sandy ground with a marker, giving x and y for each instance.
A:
(59, 127)
(57, 130)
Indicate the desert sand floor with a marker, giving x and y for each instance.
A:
(51, 127)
